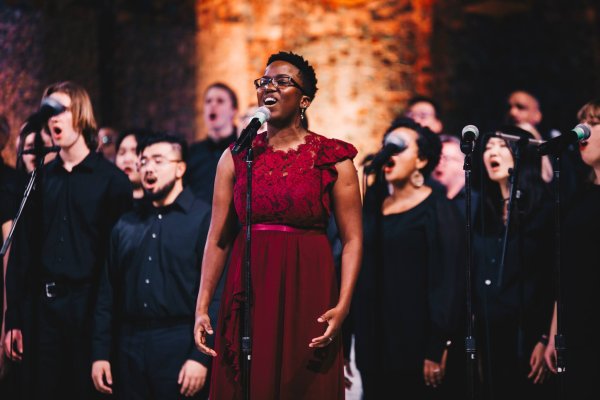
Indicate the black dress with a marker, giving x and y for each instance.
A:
(512, 304)
(407, 296)
(580, 267)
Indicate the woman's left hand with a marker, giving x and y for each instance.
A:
(334, 319)
(434, 372)
(539, 372)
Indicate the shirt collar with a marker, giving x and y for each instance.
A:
(87, 164)
(183, 202)
(225, 142)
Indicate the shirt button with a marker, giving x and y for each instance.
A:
(159, 216)
(149, 258)
(59, 259)
(493, 260)
(147, 281)
(488, 282)
(145, 305)
(154, 236)
(64, 218)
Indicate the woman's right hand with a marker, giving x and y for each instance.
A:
(202, 327)
(13, 344)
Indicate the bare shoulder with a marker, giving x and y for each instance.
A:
(226, 164)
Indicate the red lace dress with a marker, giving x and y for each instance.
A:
(293, 276)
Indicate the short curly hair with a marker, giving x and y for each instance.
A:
(307, 72)
(430, 146)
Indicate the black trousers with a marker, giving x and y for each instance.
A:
(57, 348)
(149, 361)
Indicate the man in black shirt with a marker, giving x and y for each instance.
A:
(147, 296)
(220, 109)
(58, 252)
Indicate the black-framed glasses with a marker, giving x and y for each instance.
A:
(277, 81)
(158, 161)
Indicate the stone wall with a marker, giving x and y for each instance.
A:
(147, 63)
(369, 56)
(20, 70)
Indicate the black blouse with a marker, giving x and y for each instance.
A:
(408, 293)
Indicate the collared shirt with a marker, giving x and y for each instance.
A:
(79, 209)
(202, 165)
(153, 269)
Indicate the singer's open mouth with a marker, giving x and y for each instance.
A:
(494, 164)
(57, 130)
(150, 181)
(212, 116)
(269, 101)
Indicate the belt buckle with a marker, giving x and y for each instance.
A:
(50, 290)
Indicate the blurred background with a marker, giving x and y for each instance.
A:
(146, 63)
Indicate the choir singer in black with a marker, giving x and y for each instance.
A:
(147, 296)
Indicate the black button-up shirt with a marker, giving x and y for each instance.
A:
(79, 209)
(153, 270)
(202, 165)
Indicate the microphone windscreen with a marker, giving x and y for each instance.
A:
(396, 140)
(583, 131)
(470, 132)
(263, 114)
(51, 107)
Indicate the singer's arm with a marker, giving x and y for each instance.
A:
(218, 243)
(348, 216)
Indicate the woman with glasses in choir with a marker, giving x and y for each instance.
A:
(297, 305)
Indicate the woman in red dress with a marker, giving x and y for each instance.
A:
(298, 307)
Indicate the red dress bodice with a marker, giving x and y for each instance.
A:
(290, 187)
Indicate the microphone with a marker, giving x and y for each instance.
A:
(391, 145)
(515, 134)
(45, 150)
(260, 116)
(558, 144)
(49, 108)
(470, 133)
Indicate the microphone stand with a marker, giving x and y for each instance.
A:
(514, 196)
(470, 344)
(246, 277)
(560, 344)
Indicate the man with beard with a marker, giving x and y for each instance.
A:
(220, 109)
(147, 295)
(57, 253)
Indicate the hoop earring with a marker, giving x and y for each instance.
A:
(417, 179)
